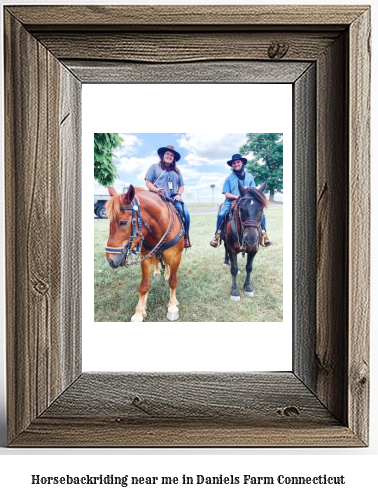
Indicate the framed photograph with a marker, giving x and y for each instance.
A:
(323, 52)
(204, 282)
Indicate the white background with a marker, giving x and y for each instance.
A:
(186, 346)
(358, 465)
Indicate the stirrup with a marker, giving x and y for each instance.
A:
(215, 242)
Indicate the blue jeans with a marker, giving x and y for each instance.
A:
(224, 210)
(221, 215)
(182, 208)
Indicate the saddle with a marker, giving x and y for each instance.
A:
(181, 217)
(172, 202)
(225, 220)
(231, 217)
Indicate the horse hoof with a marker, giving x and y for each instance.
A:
(172, 315)
(156, 275)
(137, 318)
(235, 298)
(249, 294)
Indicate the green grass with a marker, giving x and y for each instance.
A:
(204, 282)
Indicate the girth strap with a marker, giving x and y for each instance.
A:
(170, 244)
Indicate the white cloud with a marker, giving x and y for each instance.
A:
(196, 181)
(210, 148)
(129, 145)
(135, 164)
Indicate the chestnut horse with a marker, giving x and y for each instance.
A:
(243, 233)
(143, 224)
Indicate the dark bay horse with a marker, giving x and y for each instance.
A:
(243, 233)
(142, 224)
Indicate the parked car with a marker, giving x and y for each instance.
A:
(99, 205)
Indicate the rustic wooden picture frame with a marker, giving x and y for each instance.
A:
(324, 52)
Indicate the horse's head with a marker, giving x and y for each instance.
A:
(251, 207)
(120, 225)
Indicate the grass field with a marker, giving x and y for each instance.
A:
(204, 282)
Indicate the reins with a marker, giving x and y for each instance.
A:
(159, 247)
(244, 224)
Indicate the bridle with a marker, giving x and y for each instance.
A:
(244, 225)
(127, 250)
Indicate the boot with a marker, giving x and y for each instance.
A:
(265, 241)
(215, 242)
(187, 243)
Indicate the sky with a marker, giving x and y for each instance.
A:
(203, 160)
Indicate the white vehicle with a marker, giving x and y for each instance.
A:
(99, 205)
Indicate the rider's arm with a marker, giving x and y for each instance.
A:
(154, 189)
(179, 193)
(231, 196)
(227, 188)
(151, 187)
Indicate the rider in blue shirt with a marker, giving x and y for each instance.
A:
(231, 192)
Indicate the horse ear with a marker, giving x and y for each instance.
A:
(242, 189)
(262, 187)
(129, 196)
(112, 191)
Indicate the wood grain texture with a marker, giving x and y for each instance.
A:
(100, 432)
(153, 16)
(34, 239)
(200, 72)
(197, 409)
(332, 230)
(71, 193)
(359, 209)
(184, 47)
(31, 202)
(304, 242)
(324, 402)
(239, 397)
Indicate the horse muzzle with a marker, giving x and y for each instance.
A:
(251, 238)
(116, 260)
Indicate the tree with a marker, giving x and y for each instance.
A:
(267, 164)
(105, 172)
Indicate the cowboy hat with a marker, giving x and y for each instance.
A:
(162, 151)
(237, 157)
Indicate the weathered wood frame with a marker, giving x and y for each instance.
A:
(49, 53)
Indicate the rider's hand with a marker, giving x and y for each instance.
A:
(177, 197)
(160, 191)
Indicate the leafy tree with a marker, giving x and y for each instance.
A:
(267, 164)
(105, 172)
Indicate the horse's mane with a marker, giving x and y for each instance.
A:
(113, 206)
(258, 195)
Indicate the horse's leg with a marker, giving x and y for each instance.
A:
(247, 284)
(157, 269)
(234, 272)
(226, 256)
(167, 272)
(140, 310)
(173, 312)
